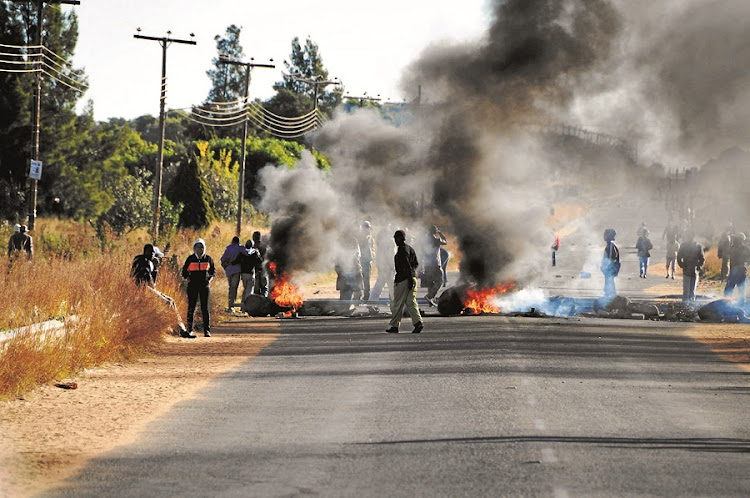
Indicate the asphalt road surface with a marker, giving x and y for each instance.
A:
(473, 406)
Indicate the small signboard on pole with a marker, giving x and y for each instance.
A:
(35, 172)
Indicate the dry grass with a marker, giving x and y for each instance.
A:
(76, 273)
(712, 265)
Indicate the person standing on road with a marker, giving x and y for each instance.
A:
(199, 269)
(672, 247)
(610, 266)
(690, 258)
(405, 285)
(230, 261)
(366, 255)
(383, 262)
(248, 261)
(261, 279)
(724, 249)
(432, 276)
(349, 270)
(644, 247)
(739, 258)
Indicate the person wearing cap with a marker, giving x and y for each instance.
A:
(610, 266)
(739, 258)
(199, 270)
(690, 258)
(20, 241)
(366, 256)
(404, 285)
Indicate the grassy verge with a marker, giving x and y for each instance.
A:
(74, 273)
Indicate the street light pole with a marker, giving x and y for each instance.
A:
(241, 188)
(164, 42)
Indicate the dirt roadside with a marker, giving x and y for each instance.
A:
(50, 434)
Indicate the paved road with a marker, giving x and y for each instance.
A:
(473, 406)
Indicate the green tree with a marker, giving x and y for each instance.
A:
(227, 80)
(191, 189)
(61, 130)
(294, 97)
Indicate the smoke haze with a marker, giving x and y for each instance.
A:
(482, 148)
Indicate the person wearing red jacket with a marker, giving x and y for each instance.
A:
(199, 270)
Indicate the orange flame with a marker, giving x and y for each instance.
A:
(285, 292)
(480, 300)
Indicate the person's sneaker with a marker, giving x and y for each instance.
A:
(667, 275)
(187, 334)
(229, 310)
(392, 330)
(644, 275)
(206, 334)
(418, 328)
(672, 277)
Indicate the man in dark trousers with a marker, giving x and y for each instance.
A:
(261, 280)
(405, 285)
(690, 259)
(610, 265)
(199, 269)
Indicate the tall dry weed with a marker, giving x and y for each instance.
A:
(71, 275)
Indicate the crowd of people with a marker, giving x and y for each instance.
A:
(684, 251)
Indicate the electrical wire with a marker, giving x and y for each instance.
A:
(64, 83)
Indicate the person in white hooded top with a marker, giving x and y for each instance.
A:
(199, 269)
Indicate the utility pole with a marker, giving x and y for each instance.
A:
(165, 42)
(315, 82)
(37, 104)
(241, 193)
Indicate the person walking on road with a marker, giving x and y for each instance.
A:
(690, 258)
(199, 270)
(230, 261)
(366, 256)
(610, 266)
(404, 285)
(739, 258)
(644, 247)
(672, 247)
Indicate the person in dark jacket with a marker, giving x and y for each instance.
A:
(405, 285)
(690, 258)
(249, 260)
(348, 268)
(143, 269)
(739, 258)
(20, 241)
(230, 261)
(610, 266)
(199, 270)
(644, 247)
(261, 279)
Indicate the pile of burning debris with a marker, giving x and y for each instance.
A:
(286, 301)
